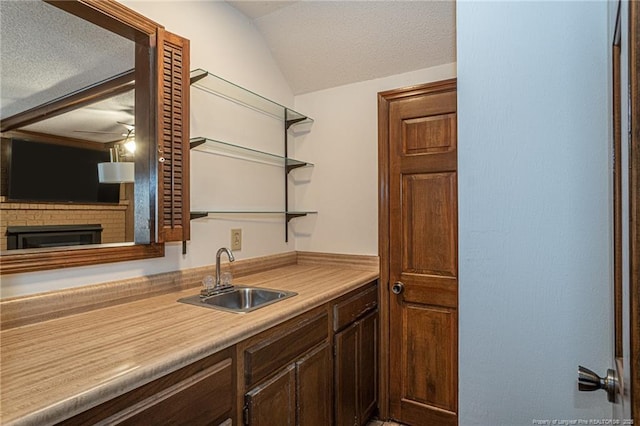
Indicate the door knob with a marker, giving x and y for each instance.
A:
(589, 381)
(398, 287)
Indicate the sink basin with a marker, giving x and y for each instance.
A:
(240, 299)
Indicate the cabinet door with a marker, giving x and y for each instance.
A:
(346, 376)
(356, 373)
(368, 366)
(314, 387)
(274, 402)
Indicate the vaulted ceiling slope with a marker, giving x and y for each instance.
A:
(323, 44)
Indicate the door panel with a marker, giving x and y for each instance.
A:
(432, 290)
(427, 135)
(429, 224)
(431, 342)
(422, 254)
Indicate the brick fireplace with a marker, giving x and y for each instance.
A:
(23, 237)
(110, 217)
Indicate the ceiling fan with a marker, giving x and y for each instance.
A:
(130, 131)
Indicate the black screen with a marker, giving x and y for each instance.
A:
(45, 172)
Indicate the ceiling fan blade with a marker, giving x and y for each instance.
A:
(129, 126)
(97, 132)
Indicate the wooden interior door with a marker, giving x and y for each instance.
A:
(420, 261)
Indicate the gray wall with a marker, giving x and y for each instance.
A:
(534, 213)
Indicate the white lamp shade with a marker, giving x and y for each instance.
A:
(116, 172)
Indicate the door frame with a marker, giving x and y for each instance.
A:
(384, 100)
(634, 206)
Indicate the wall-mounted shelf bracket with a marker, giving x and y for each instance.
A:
(196, 142)
(290, 167)
(290, 216)
(291, 122)
(198, 215)
(197, 75)
(294, 215)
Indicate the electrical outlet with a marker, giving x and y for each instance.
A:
(236, 239)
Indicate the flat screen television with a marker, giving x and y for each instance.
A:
(57, 173)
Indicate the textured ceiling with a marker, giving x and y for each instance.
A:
(317, 44)
(38, 62)
(323, 44)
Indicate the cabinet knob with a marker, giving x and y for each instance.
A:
(397, 288)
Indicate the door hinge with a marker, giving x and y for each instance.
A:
(245, 414)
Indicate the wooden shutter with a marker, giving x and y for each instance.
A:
(173, 125)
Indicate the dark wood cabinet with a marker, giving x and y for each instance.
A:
(314, 387)
(198, 394)
(273, 402)
(316, 369)
(300, 394)
(346, 376)
(368, 365)
(288, 373)
(356, 354)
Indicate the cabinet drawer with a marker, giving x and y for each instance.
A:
(348, 310)
(283, 347)
(199, 394)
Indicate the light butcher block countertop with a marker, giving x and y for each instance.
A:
(54, 369)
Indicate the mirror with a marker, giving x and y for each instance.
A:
(78, 87)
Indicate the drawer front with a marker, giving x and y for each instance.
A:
(200, 393)
(199, 400)
(349, 310)
(280, 349)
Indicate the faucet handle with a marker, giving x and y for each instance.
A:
(226, 279)
(209, 284)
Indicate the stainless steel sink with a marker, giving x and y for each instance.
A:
(240, 299)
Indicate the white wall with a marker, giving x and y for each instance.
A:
(534, 209)
(224, 42)
(343, 143)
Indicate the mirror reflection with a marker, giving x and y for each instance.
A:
(68, 132)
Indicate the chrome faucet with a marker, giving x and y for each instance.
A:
(231, 259)
(213, 286)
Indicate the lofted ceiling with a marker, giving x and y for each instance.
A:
(317, 45)
(323, 44)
